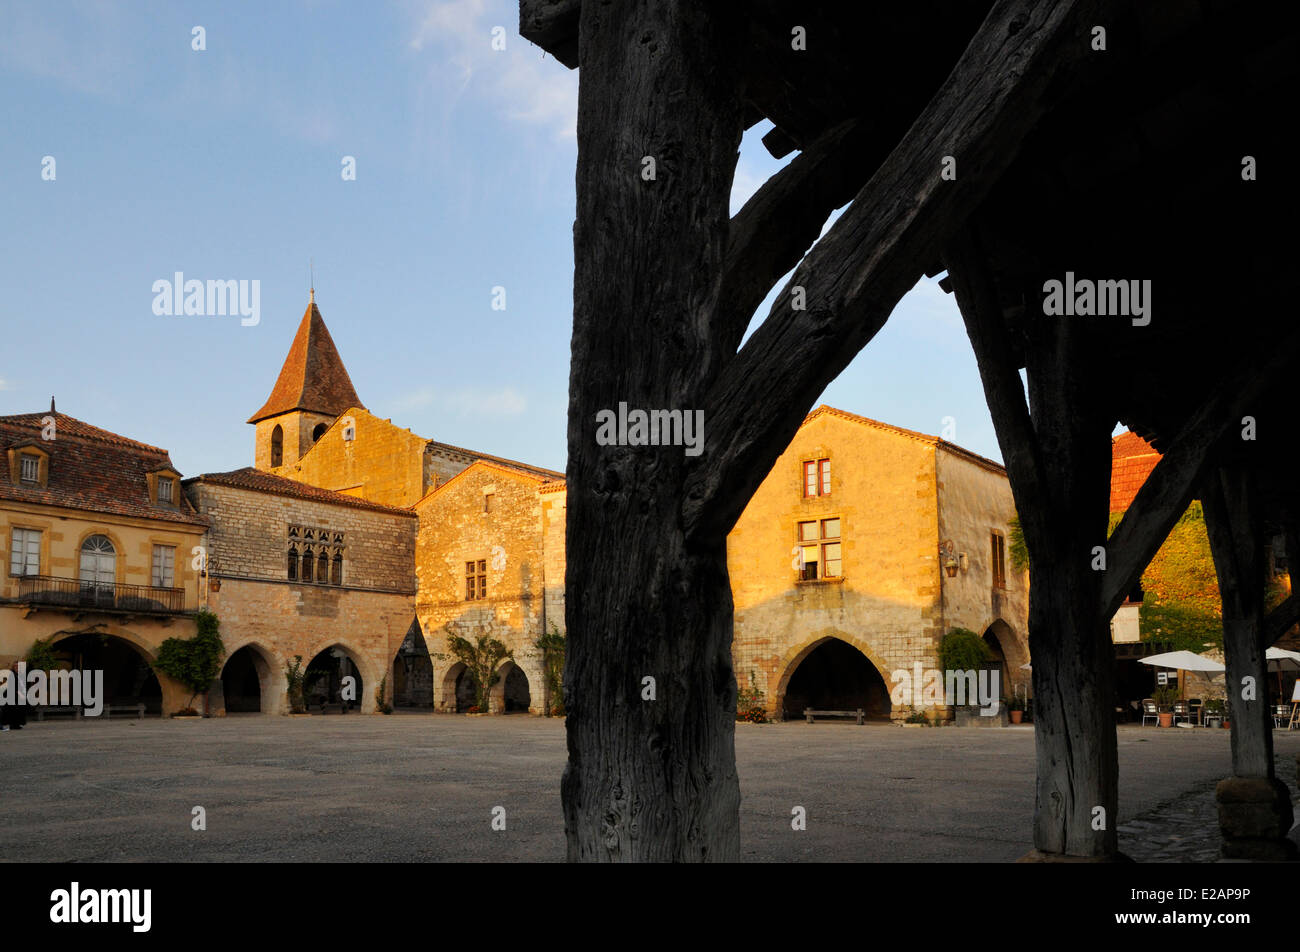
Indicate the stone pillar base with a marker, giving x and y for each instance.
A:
(1255, 815)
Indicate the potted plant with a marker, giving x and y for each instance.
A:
(1214, 712)
(1015, 709)
(1164, 698)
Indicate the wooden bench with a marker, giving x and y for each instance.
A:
(136, 709)
(810, 714)
(45, 709)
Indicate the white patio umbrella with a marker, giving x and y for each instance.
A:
(1183, 661)
(1279, 659)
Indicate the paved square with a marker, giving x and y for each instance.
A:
(422, 788)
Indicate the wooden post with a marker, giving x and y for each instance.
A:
(1255, 810)
(1059, 466)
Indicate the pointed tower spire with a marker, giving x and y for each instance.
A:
(313, 377)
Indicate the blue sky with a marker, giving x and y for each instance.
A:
(225, 163)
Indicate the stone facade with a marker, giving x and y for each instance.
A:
(365, 616)
(497, 520)
(109, 611)
(897, 495)
(363, 455)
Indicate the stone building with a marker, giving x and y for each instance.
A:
(295, 570)
(99, 542)
(490, 560)
(864, 545)
(360, 546)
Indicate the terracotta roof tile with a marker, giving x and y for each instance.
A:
(90, 469)
(1132, 459)
(263, 482)
(313, 376)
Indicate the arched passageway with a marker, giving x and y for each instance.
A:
(413, 671)
(835, 676)
(511, 693)
(128, 677)
(245, 680)
(333, 677)
(995, 638)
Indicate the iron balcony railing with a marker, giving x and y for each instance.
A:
(51, 591)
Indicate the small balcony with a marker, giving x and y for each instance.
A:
(80, 597)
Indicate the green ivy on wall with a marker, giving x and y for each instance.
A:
(1181, 605)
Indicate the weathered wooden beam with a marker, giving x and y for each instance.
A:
(977, 299)
(649, 777)
(552, 25)
(1255, 811)
(1280, 620)
(1170, 487)
(1236, 545)
(852, 279)
(783, 218)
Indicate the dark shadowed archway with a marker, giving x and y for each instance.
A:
(835, 676)
(245, 681)
(128, 677)
(327, 683)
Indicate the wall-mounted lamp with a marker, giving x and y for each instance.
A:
(950, 559)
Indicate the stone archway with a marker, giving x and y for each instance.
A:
(833, 673)
(511, 694)
(413, 678)
(327, 673)
(249, 680)
(458, 694)
(1008, 656)
(126, 661)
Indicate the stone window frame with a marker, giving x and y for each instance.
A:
(821, 542)
(475, 580)
(819, 476)
(320, 561)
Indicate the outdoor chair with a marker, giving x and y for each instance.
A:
(1281, 715)
(1149, 710)
(1197, 707)
(1182, 709)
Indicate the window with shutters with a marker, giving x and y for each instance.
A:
(164, 566)
(25, 552)
(816, 477)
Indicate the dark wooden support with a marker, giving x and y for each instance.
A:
(877, 250)
(656, 265)
(1059, 464)
(1169, 488)
(780, 222)
(1255, 810)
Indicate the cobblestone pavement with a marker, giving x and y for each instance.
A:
(1186, 828)
(423, 788)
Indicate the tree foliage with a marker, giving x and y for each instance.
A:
(1181, 606)
(551, 645)
(295, 678)
(483, 658)
(41, 656)
(194, 662)
(963, 650)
